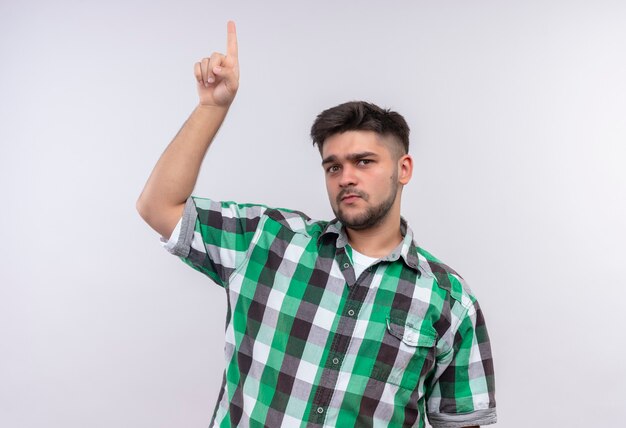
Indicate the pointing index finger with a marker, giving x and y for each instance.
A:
(231, 41)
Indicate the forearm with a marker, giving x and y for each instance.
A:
(176, 172)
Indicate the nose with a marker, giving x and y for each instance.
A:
(348, 177)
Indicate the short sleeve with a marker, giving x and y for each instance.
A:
(462, 391)
(214, 237)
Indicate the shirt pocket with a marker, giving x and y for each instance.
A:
(406, 354)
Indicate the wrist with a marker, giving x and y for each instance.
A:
(212, 109)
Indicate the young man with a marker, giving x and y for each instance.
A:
(342, 323)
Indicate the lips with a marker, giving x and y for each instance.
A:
(350, 198)
(350, 195)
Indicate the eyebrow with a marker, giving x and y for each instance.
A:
(350, 157)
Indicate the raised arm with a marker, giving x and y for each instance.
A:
(174, 176)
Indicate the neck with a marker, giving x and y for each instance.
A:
(377, 241)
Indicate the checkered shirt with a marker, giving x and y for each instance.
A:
(308, 344)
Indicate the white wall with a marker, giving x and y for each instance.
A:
(517, 114)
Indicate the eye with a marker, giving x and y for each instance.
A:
(364, 162)
(332, 168)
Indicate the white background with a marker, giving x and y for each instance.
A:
(517, 112)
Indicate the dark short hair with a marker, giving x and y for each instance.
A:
(360, 116)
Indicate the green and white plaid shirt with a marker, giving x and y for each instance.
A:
(309, 344)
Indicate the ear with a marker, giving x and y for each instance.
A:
(405, 169)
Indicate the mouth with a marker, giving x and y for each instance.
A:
(350, 198)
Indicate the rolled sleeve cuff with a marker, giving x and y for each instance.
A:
(180, 241)
(448, 420)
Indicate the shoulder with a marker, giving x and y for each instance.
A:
(446, 278)
(296, 221)
(259, 214)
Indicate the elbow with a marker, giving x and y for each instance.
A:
(143, 209)
(148, 213)
(161, 218)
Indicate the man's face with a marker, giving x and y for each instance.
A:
(362, 177)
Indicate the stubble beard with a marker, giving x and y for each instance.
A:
(372, 216)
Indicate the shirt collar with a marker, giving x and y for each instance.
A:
(407, 250)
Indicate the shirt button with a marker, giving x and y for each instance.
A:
(351, 312)
(346, 265)
(335, 360)
(320, 410)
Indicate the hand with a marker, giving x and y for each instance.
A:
(218, 76)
